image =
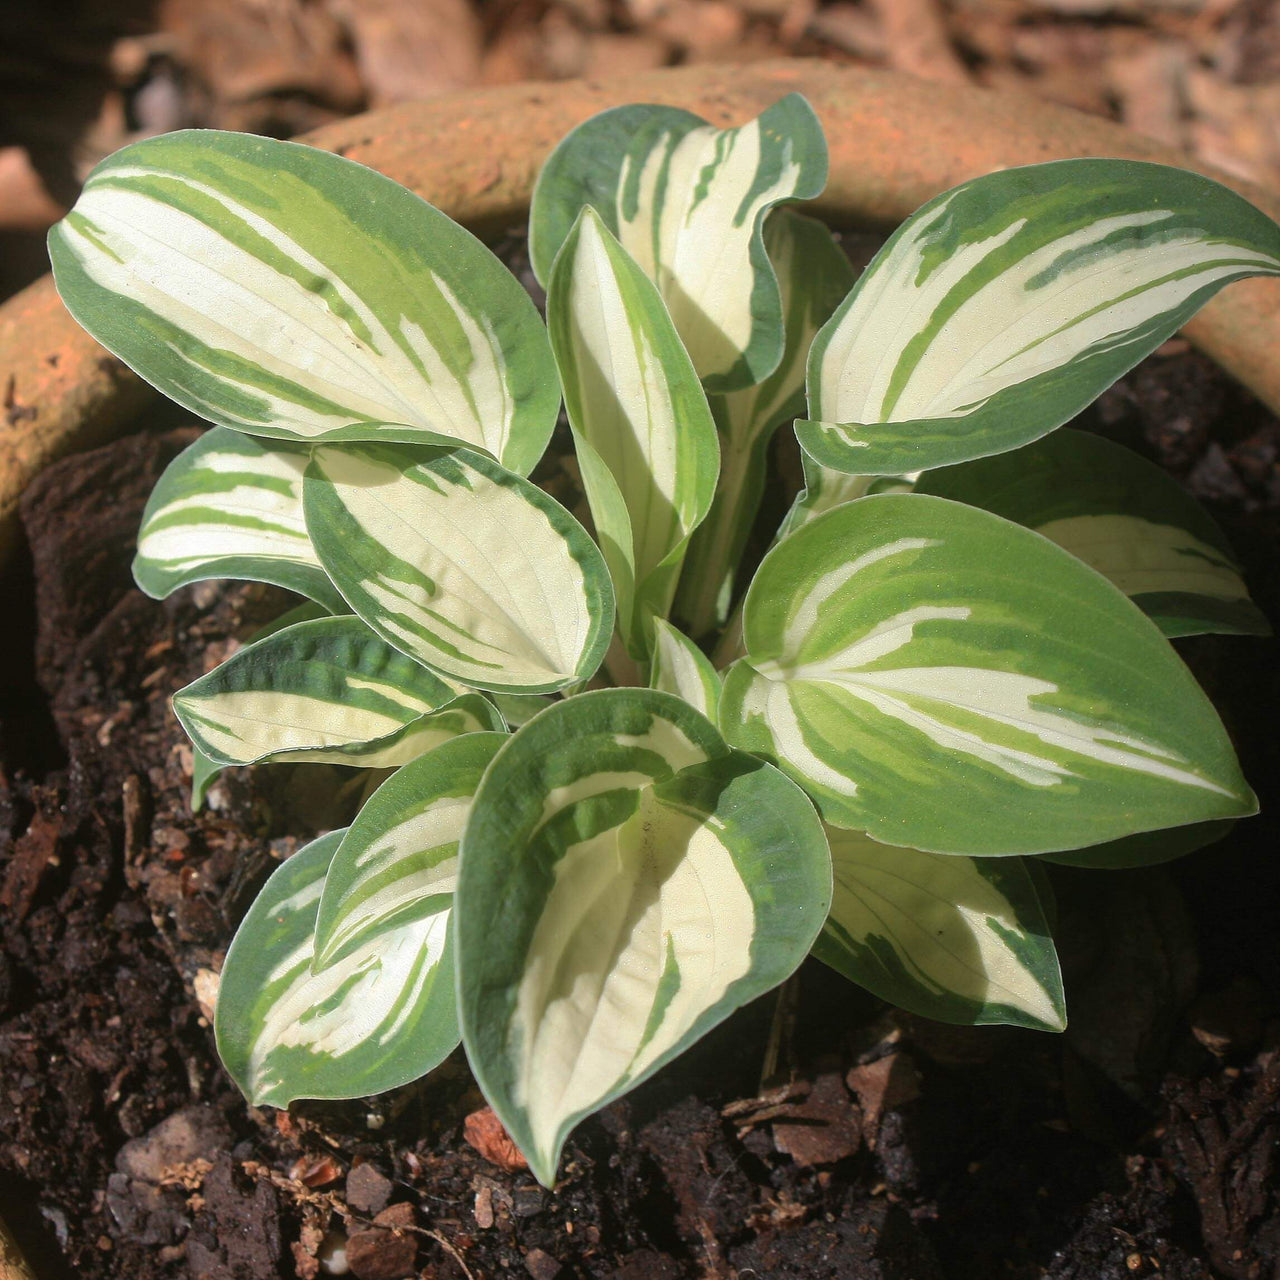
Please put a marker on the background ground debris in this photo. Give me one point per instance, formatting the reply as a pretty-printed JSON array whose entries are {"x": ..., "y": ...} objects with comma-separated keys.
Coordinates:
[{"x": 1195, "y": 74}]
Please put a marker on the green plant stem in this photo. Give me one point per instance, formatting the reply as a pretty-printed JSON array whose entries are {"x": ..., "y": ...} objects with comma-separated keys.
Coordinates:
[
  {"x": 731, "y": 645},
  {"x": 715, "y": 550}
]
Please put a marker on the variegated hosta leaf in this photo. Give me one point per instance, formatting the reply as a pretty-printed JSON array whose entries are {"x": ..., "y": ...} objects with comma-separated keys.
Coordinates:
[
  {"x": 1146, "y": 849},
  {"x": 958, "y": 939},
  {"x": 626, "y": 882},
  {"x": 645, "y": 439},
  {"x": 1000, "y": 309},
  {"x": 941, "y": 678},
  {"x": 382, "y": 1016},
  {"x": 461, "y": 563},
  {"x": 1038, "y": 874},
  {"x": 399, "y": 860},
  {"x": 325, "y": 692},
  {"x": 824, "y": 488},
  {"x": 229, "y": 506},
  {"x": 686, "y": 200},
  {"x": 204, "y": 769},
  {"x": 283, "y": 291},
  {"x": 1121, "y": 515},
  {"x": 519, "y": 708},
  {"x": 678, "y": 666},
  {"x": 814, "y": 274}
]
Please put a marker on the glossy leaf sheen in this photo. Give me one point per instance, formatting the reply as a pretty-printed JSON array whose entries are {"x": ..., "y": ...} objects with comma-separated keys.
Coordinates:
[
  {"x": 399, "y": 860},
  {"x": 284, "y": 291},
  {"x": 681, "y": 668},
  {"x": 204, "y": 769},
  {"x": 381, "y": 1017},
  {"x": 959, "y": 939},
  {"x": 944, "y": 679},
  {"x": 627, "y": 881},
  {"x": 687, "y": 201},
  {"x": 645, "y": 439},
  {"x": 229, "y": 506},
  {"x": 462, "y": 564},
  {"x": 1002, "y": 308},
  {"x": 328, "y": 691}
]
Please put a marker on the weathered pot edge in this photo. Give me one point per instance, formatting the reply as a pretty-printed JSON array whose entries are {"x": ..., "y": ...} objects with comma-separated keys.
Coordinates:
[{"x": 895, "y": 142}]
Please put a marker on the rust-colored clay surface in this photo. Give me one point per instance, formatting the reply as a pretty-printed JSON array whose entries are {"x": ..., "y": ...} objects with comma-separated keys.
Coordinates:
[
  {"x": 895, "y": 142},
  {"x": 59, "y": 392}
]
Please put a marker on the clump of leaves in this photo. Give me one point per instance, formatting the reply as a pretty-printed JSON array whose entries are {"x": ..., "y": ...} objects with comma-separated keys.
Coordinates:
[{"x": 598, "y": 841}]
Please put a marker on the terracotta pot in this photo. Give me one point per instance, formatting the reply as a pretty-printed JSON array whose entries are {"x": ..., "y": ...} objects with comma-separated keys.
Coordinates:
[{"x": 895, "y": 142}]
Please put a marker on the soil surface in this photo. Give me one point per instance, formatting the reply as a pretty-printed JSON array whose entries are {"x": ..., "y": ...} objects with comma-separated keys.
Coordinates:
[{"x": 816, "y": 1134}]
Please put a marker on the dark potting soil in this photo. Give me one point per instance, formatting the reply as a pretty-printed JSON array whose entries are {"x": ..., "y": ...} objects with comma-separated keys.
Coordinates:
[{"x": 816, "y": 1134}]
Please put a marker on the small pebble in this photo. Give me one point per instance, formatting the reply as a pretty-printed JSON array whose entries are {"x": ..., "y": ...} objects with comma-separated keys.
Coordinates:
[
  {"x": 541, "y": 1265},
  {"x": 367, "y": 1189}
]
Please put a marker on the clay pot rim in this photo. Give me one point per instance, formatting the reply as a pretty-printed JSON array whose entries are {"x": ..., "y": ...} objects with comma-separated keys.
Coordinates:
[{"x": 894, "y": 142}]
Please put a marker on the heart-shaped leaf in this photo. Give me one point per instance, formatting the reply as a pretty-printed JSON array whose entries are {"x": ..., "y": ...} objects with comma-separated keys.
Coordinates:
[
  {"x": 627, "y": 881},
  {"x": 329, "y": 692},
  {"x": 465, "y": 565},
  {"x": 382, "y": 1016},
  {"x": 284, "y": 291},
  {"x": 1000, "y": 309},
  {"x": 230, "y": 506},
  {"x": 941, "y": 678}
]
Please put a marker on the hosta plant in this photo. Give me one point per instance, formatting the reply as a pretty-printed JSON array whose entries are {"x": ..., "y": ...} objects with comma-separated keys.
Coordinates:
[{"x": 596, "y": 841}]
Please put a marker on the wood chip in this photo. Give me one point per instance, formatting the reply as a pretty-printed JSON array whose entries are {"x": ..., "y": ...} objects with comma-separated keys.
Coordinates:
[
  {"x": 541, "y": 1265},
  {"x": 315, "y": 1171},
  {"x": 701, "y": 26},
  {"x": 882, "y": 1086},
  {"x": 1150, "y": 84},
  {"x": 918, "y": 41},
  {"x": 33, "y": 853},
  {"x": 397, "y": 1217},
  {"x": 851, "y": 28},
  {"x": 821, "y": 1129},
  {"x": 378, "y": 1254},
  {"x": 408, "y": 50},
  {"x": 484, "y": 1208},
  {"x": 205, "y": 985},
  {"x": 483, "y": 1131},
  {"x": 368, "y": 1191}
]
